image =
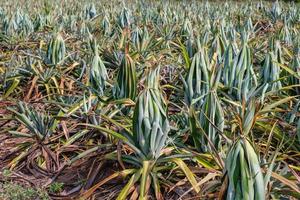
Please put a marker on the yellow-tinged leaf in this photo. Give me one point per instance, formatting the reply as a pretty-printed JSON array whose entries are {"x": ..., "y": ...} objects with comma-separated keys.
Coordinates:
[
  {"x": 286, "y": 181},
  {"x": 90, "y": 191},
  {"x": 269, "y": 107},
  {"x": 189, "y": 174},
  {"x": 134, "y": 178},
  {"x": 78, "y": 105},
  {"x": 204, "y": 180}
]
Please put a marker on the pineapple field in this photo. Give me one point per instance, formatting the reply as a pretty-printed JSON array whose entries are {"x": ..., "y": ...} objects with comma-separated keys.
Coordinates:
[{"x": 141, "y": 100}]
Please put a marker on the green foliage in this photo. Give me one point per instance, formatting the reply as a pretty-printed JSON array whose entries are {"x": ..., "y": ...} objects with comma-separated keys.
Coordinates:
[
  {"x": 56, "y": 187},
  {"x": 126, "y": 85},
  {"x": 12, "y": 191},
  {"x": 98, "y": 73},
  {"x": 244, "y": 173},
  {"x": 271, "y": 69},
  {"x": 239, "y": 75},
  {"x": 56, "y": 49},
  {"x": 80, "y": 88},
  {"x": 196, "y": 83},
  {"x": 39, "y": 124},
  {"x": 150, "y": 123}
]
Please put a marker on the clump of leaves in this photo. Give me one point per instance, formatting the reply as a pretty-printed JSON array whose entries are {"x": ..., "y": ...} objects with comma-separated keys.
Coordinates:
[
  {"x": 56, "y": 49},
  {"x": 149, "y": 142},
  {"x": 126, "y": 85},
  {"x": 242, "y": 163}
]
